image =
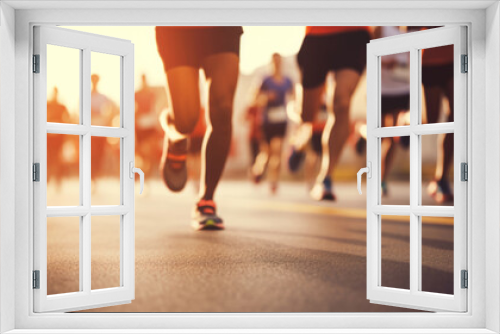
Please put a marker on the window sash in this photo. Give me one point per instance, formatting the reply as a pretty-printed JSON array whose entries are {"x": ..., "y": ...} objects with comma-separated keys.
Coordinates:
[
  {"x": 414, "y": 298},
  {"x": 86, "y": 298}
]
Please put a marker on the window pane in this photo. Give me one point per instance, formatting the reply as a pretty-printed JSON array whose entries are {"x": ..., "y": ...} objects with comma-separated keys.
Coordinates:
[
  {"x": 437, "y": 83},
  {"x": 437, "y": 169},
  {"x": 395, "y": 89},
  {"x": 395, "y": 170},
  {"x": 105, "y": 160},
  {"x": 63, "y": 166},
  {"x": 105, "y": 252},
  {"x": 437, "y": 254},
  {"x": 63, "y": 84},
  {"x": 395, "y": 252},
  {"x": 106, "y": 89},
  {"x": 63, "y": 255}
]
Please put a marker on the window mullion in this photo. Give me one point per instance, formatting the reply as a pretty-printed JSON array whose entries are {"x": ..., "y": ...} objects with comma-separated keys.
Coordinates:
[
  {"x": 85, "y": 177},
  {"x": 414, "y": 170}
]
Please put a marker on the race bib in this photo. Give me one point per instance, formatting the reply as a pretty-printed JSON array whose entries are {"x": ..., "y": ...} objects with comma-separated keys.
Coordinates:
[{"x": 276, "y": 114}]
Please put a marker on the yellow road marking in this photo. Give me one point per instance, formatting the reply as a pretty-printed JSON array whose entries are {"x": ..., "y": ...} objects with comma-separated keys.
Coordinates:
[{"x": 331, "y": 211}]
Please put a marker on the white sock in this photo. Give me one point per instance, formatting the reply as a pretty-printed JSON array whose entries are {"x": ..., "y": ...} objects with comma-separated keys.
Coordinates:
[
  {"x": 173, "y": 134},
  {"x": 169, "y": 128}
]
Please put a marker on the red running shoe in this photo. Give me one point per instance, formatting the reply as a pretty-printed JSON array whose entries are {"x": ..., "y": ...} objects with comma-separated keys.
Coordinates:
[
  {"x": 173, "y": 164},
  {"x": 205, "y": 216}
]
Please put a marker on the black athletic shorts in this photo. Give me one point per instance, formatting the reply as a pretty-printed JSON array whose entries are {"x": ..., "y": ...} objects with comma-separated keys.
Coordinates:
[
  {"x": 395, "y": 103},
  {"x": 320, "y": 54},
  {"x": 437, "y": 75},
  {"x": 273, "y": 130},
  {"x": 181, "y": 46},
  {"x": 316, "y": 142}
]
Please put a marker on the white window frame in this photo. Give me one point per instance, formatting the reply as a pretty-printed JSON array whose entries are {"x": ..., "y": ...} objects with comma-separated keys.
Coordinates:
[{"x": 484, "y": 213}]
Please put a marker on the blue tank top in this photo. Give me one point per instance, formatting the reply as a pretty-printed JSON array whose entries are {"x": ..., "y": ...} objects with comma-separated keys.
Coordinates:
[{"x": 275, "y": 110}]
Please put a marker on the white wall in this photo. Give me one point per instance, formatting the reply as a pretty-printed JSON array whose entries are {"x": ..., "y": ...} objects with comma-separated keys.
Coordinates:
[
  {"x": 7, "y": 159},
  {"x": 492, "y": 166}
]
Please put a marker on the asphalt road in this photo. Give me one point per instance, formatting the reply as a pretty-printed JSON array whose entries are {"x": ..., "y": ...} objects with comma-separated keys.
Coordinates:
[{"x": 283, "y": 253}]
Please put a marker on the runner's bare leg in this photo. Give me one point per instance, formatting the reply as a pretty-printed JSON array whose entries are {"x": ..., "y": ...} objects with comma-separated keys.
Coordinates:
[
  {"x": 274, "y": 159},
  {"x": 183, "y": 84},
  {"x": 311, "y": 103},
  {"x": 260, "y": 164},
  {"x": 433, "y": 96},
  {"x": 222, "y": 70},
  {"x": 335, "y": 137},
  {"x": 388, "y": 147},
  {"x": 445, "y": 152}
]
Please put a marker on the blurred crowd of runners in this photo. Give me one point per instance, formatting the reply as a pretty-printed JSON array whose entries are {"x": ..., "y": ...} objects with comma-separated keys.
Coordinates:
[{"x": 181, "y": 137}]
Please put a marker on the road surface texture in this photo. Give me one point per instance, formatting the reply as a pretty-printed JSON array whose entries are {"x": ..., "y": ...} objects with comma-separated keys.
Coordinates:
[{"x": 282, "y": 253}]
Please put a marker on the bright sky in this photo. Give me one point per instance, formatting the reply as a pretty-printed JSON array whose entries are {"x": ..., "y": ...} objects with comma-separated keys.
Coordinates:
[{"x": 257, "y": 46}]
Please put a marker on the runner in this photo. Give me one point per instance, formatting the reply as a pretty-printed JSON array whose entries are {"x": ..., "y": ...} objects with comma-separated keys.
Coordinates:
[
  {"x": 313, "y": 156},
  {"x": 254, "y": 117},
  {"x": 437, "y": 79},
  {"x": 273, "y": 95},
  {"x": 102, "y": 112},
  {"x": 194, "y": 151},
  {"x": 56, "y": 113},
  {"x": 103, "y": 109},
  {"x": 395, "y": 97},
  {"x": 324, "y": 49},
  {"x": 146, "y": 126},
  {"x": 184, "y": 50}
]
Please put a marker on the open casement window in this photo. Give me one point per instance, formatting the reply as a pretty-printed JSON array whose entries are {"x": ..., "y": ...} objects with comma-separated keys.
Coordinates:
[
  {"x": 73, "y": 218},
  {"x": 419, "y": 292}
]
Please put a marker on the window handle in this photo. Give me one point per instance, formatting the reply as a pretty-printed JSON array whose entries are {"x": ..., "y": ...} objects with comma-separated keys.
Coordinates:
[
  {"x": 368, "y": 171},
  {"x": 133, "y": 170}
]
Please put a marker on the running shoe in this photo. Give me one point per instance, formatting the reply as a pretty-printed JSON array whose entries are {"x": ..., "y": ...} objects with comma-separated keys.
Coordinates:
[
  {"x": 299, "y": 143},
  {"x": 205, "y": 217},
  {"x": 323, "y": 191},
  {"x": 440, "y": 191},
  {"x": 296, "y": 160},
  {"x": 360, "y": 145},
  {"x": 384, "y": 188},
  {"x": 404, "y": 142},
  {"x": 173, "y": 164}
]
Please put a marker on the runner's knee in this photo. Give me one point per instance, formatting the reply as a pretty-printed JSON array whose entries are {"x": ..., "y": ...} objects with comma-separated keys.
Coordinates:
[
  {"x": 341, "y": 106},
  {"x": 185, "y": 125},
  {"x": 186, "y": 112}
]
